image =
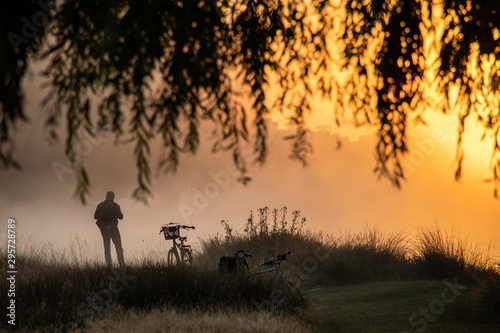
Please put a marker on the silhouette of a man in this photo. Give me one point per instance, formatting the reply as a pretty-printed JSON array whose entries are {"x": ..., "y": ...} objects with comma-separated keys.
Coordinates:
[{"x": 107, "y": 214}]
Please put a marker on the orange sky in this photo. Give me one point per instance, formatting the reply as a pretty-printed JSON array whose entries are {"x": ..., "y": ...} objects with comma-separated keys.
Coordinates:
[{"x": 335, "y": 192}]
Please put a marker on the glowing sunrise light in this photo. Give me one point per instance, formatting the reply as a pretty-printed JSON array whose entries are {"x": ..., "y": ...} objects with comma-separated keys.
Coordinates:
[{"x": 476, "y": 144}]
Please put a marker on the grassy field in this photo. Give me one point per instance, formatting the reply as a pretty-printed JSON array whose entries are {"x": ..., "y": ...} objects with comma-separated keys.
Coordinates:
[
  {"x": 409, "y": 306},
  {"x": 368, "y": 281},
  {"x": 368, "y": 307}
]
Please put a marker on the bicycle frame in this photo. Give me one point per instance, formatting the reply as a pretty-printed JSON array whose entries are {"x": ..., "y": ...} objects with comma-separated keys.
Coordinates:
[
  {"x": 266, "y": 271},
  {"x": 274, "y": 263},
  {"x": 176, "y": 249}
]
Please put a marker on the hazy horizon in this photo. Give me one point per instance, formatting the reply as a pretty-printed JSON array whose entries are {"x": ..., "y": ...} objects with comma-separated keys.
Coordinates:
[{"x": 337, "y": 191}]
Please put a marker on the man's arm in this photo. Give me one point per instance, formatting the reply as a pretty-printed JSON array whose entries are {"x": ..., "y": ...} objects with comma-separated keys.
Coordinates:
[
  {"x": 97, "y": 213},
  {"x": 119, "y": 214}
]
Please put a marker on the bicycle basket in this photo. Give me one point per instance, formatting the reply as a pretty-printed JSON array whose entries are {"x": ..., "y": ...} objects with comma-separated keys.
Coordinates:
[{"x": 171, "y": 232}]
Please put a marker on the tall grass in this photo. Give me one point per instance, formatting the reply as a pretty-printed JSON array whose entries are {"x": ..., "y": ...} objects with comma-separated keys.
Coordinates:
[
  {"x": 172, "y": 320},
  {"x": 367, "y": 255},
  {"x": 265, "y": 235},
  {"x": 56, "y": 288},
  {"x": 54, "y": 295},
  {"x": 442, "y": 254}
]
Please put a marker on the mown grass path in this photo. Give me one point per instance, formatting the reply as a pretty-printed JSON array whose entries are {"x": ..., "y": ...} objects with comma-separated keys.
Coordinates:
[{"x": 410, "y": 306}]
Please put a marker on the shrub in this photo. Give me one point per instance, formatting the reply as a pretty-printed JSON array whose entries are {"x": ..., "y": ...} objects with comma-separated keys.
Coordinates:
[
  {"x": 365, "y": 256},
  {"x": 440, "y": 255}
]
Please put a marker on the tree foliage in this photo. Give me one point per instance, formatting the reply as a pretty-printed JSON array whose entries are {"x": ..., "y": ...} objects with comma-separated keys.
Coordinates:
[
  {"x": 160, "y": 68},
  {"x": 466, "y": 44}
]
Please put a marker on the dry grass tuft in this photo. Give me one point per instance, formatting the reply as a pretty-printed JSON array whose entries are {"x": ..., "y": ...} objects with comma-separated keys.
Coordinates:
[{"x": 171, "y": 320}]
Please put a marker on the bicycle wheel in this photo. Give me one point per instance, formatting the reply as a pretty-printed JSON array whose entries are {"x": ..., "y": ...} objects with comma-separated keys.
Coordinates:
[
  {"x": 172, "y": 258},
  {"x": 187, "y": 257}
]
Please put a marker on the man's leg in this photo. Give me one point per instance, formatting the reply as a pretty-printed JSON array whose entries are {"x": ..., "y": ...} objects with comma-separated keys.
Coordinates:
[
  {"x": 107, "y": 245},
  {"x": 117, "y": 240}
]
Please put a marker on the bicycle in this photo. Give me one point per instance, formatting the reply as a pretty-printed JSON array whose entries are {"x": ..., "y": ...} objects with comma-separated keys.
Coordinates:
[
  {"x": 238, "y": 263},
  {"x": 180, "y": 253},
  {"x": 285, "y": 291}
]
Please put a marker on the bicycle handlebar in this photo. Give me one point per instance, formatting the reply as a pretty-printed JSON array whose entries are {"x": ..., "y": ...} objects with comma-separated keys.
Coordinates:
[
  {"x": 242, "y": 254},
  {"x": 278, "y": 259},
  {"x": 283, "y": 256},
  {"x": 175, "y": 224}
]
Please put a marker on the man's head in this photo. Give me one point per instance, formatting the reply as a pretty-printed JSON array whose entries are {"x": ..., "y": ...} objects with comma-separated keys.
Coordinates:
[{"x": 110, "y": 195}]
